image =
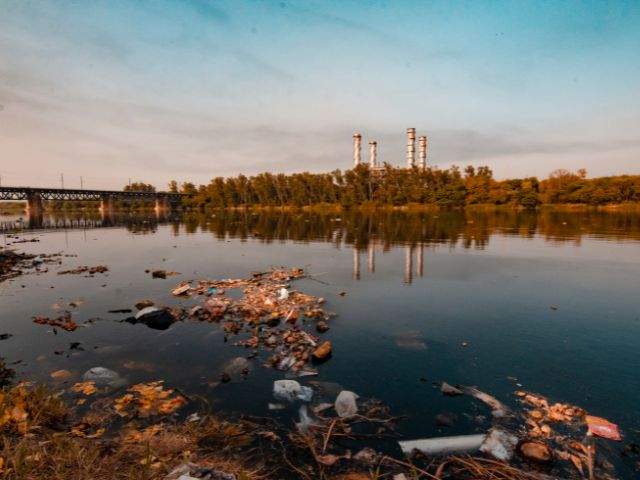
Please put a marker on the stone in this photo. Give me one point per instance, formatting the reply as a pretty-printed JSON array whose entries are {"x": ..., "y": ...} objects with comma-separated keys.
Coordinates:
[
  {"x": 323, "y": 351},
  {"x": 155, "y": 318},
  {"x": 535, "y": 451},
  {"x": 445, "y": 419},
  {"x": 367, "y": 456},
  {"x": 61, "y": 374},
  {"x": 103, "y": 377},
  {"x": 144, "y": 304},
  {"x": 322, "y": 326}
]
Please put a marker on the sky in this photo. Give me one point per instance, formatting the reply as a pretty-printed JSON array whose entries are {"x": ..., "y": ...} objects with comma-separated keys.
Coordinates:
[{"x": 154, "y": 90}]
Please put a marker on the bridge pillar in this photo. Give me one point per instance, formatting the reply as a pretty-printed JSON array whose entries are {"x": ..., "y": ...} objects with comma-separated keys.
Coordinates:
[
  {"x": 107, "y": 208},
  {"x": 34, "y": 203},
  {"x": 107, "y": 205},
  {"x": 163, "y": 206}
]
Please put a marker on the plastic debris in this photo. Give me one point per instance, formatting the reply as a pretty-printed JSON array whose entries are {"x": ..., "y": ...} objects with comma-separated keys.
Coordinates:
[
  {"x": 443, "y": 445},
  {"x": 450, "y": 390},
  {"x": 499, "y": 444},
  {"x": 602, "y": 428},
  {"x": 345, "y": 404},
  {"x": 283, "y": 294},
  {"x": 498, "y": 409},
  {"x": 290, "y": 391},
  {"x": 305, "y": 420}
]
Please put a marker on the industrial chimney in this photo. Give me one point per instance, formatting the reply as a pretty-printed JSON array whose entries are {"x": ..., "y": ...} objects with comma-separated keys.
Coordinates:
[
  {"x": 373, "y": 154},
  {"x": 423, "y": 152},
  {"x": 411, "y": 147},
  {"x": 357, "y": 141}
]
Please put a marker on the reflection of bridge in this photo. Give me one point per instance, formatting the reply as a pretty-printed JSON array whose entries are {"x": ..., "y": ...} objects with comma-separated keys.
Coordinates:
[{"x": 34, "y": 196}]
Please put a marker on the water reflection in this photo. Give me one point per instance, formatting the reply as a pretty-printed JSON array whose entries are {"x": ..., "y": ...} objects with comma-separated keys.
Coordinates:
[{"x": 364, "y": 231}]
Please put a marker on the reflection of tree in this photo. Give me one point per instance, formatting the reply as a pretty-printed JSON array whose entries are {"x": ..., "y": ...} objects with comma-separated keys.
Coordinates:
[
  {"x": 471, "y": 229},
  {"x": 468, "y": 228}
]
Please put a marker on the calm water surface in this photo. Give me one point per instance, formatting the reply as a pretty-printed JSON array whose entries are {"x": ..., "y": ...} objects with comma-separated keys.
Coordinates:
[{"x": 417, "y": 287}]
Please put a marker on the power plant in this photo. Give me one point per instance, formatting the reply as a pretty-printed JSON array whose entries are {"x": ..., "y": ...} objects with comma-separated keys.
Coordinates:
[{"x": 411, "y": 151}]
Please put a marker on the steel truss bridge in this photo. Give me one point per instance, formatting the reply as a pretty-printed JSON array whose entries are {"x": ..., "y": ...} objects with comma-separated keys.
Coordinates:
[{"x": 67, "y": 194}]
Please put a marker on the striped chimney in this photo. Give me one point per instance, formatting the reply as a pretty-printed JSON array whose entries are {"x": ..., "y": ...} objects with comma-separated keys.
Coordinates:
[
  {"x": 411, "y": 147},
  {"x": 357, "y": 142},
  {"x": 423, "y": 152}
]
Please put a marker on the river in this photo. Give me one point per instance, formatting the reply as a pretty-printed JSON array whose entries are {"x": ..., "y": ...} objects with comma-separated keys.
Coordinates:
[{"x": 546, "y": 302}]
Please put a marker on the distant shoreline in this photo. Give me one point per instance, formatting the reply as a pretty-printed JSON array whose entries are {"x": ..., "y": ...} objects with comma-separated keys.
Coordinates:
[{"x": 19, "y": 208}]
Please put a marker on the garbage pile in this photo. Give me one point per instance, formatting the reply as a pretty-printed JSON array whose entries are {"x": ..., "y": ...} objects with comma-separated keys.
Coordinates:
[
  {"x": 14, "y": 264},
  {"x": 271, "y": 314},
  {"x": 541, "y": 438},
  {"x": 85, "y": 269}
]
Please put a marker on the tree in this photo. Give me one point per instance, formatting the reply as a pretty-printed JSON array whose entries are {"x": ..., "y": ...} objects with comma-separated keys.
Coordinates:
[{"x": 139, "y": 187}]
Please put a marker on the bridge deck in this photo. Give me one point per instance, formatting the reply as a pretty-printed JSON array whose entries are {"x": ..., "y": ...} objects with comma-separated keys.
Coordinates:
[{"x": 24, "y": 193}]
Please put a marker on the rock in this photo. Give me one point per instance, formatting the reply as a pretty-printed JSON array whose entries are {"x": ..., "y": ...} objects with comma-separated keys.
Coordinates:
[
  {"x": 535, "y": 451},
  {"x": 181, "y": 290},
  {"x": 322, "y": 326},
  {"x": 159, "y": 274},
  {"x": 323, "y": 351},
  {"x": 154, "y": 317},
  {"x": 345, "y": 404},
  {"x": 225, "y": 377},
  {"x": 367, "y": 456},
  {"x": 143, "y": 304},
  {"x": 445, "y": 419},
  {"x": 237, "y": 366},
  {"x": 450, "y": 390},
  {"x": 103, "y": 377},
  {"x": 60, "y": 374},
  {"x": 290, "y": 390},
  {"x": 191, "y": 471},
  {"x": 499, "y": 444}
]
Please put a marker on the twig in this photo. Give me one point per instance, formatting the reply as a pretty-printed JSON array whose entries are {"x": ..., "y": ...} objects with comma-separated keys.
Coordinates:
[
  {"x": 409, "y": 465},
  {"x": 328, "y": 436}
]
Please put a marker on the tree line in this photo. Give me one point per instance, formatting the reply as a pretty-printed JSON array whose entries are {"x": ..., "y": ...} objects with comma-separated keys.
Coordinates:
[{"x": 390, "y": 185}]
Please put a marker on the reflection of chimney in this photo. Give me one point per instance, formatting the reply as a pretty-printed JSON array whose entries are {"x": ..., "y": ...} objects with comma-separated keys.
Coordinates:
[
  {"x": 371, "y": 260},
  {"x": 411, "y": 147},
  {"x": 408, "y": 264},
  {"x": 356, "y": 264},
  {"x": 357, "y": 141},
  {"x": 423, "y": 153},
  {"x": 419, "y": 258},
  {"x": 373, "y": 154}
]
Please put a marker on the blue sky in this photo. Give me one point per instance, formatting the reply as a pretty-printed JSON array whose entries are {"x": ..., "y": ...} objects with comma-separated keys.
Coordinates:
[{"x": 154, "y": 90}]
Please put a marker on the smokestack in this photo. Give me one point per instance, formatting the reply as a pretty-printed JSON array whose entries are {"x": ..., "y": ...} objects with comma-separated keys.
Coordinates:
[
  {"x": 423, "y": 153},
  {"x": 357, "y": 141},
  {"x": 373, "y": 154},
  {"x": 411, "y": 147}
]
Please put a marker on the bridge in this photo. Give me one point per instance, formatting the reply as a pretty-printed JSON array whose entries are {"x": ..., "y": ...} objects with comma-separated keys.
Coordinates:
[{"x": 34, "y": 196}]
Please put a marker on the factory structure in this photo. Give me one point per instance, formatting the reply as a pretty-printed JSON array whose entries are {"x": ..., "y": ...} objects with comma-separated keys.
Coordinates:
[{"x": 373, "y": 163}]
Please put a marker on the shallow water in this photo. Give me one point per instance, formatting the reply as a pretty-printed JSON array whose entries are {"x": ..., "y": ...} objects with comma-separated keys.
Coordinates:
[{"x": 417, "y": 287}]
